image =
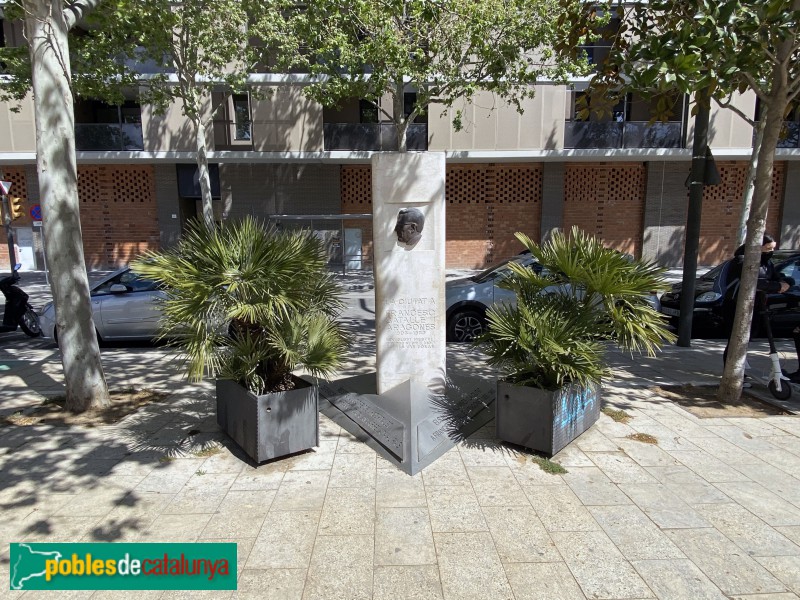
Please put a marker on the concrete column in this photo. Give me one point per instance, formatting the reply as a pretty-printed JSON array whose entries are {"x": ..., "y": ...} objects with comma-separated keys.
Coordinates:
[
  {"x": 666, "y": 200},
  {"x": 409, "y": 273},
  {"x": 552, "y": 199}
]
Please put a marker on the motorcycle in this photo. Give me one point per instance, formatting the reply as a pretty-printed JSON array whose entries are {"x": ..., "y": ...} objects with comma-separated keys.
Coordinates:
[{"x": 18, "y": 311}]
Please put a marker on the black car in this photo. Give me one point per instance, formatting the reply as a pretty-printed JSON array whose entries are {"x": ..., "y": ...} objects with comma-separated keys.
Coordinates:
[{"x": 710, "y": 291}]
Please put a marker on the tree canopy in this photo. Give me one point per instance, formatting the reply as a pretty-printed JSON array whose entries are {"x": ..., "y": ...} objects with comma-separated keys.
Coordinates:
[{"x": 441, "y": 51}]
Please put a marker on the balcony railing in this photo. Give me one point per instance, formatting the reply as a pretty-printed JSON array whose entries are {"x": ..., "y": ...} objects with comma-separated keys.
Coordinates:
[
  {"x": 790, "y": 135},
  {"x": 627, "y": 134},
  {"x": 108, "y": 136},
  {"x": 372, "y": 136}
]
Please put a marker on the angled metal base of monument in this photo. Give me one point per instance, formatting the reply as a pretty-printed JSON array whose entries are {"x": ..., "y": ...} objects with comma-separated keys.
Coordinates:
[{"x": 408, "y": 426}]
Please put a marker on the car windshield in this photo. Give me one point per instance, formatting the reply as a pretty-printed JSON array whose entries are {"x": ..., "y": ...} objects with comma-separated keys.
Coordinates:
[
  {"x": 500, "y": 268},
  {"x": 713, "y": 273}
]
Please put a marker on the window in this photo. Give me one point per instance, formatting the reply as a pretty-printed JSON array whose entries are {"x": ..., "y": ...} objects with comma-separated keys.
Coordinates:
[
  {"x": 241, "y": 117},
  {"x": 129, "y": 279},
  {"x": 367, "y": 111}
]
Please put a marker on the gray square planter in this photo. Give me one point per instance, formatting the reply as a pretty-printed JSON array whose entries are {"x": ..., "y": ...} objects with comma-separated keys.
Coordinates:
[
  {"x": 272, "y": 425},
  {"x": 543, "y": 420}
]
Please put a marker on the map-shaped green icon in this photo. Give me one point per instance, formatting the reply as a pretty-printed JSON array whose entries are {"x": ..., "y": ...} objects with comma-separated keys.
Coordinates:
[{"x": 27, "y": 564}]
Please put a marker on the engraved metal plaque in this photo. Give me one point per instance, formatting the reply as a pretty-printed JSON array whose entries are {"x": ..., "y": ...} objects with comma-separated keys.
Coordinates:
[{"x": 383, "y": 427}]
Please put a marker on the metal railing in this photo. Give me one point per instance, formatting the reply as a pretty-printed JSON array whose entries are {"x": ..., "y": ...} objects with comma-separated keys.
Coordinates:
[
  {"x": 372, "y": 136},
  {"x": 108, "y": 136},
  {"x": 625, "y": 134}
]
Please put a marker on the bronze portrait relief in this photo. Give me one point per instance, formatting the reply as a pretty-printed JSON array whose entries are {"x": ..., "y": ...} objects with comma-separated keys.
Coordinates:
[{"x": 410, "y": 222}]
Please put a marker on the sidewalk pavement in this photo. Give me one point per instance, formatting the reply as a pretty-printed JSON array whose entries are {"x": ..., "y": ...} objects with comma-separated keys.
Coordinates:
[{"x": 711, "y": 510}]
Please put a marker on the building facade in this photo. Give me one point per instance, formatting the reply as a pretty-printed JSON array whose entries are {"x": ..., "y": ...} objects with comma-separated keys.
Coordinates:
[{"x": 287, "y": 159}]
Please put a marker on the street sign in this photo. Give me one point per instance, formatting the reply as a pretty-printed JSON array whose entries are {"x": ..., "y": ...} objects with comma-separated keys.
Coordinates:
[
  {"x": 37, "y": 223},
  {"x": 5, "y": 186},
  {"x": 36, "y": 212}
]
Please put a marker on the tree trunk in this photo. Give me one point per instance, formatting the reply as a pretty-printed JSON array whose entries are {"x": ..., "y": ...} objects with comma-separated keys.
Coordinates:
[
  {"x": 730, "y": 388},
  {"x": 58, "y": 184},
  {"x": 750, "y": 182},
  {"x": 400, "y": 121},
  {"x": 202, "y": 168}
]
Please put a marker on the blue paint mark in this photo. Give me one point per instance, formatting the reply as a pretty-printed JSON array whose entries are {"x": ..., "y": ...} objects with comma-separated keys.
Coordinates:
[{"x": 574, "y": 403}]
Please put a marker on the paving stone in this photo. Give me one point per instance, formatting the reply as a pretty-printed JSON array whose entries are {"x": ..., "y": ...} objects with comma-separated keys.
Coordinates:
[
  {"x": 762, "y": 503},
  {"x": 559, "y": 508},
  {"x": 264, "y": 477},
  {"x": 320, "y": 458},
  {"x": 482, "y": 453},
  {"x": 175, "y": 528},
  {"x": 414, "y": 582},
  {"x": 528, "y": 472},
  {"x": 542, "y": 581},
  {"x": 271, "y": 584},
  {"x": 454, "y": 508},
  {"x": 593, "y": 487},
  {"x": 348, "y": 511},
  {"x": 240, "y": 515},
  {"x": 355, "y": 469},
  {"x": 724, "y": 563},
  {"x": 634, "y": 534},
  {"x": 785, "y": 568},
  {"x": 403, "y": 537},
  {"x": 446, "y": 470},
  {"x": 341, "y": 567},
  {"x": 519, "y": 535},
  {"x": 677, "y": 579},
  {"x": 286, "y": 541},
  {"x": 708, "y": 467},
  {"x": 470, "y": 568},
  {"x": 496, "y": 486},
  {"x": 646, "y": 455},
  {"x": 611, "y": 577},
  {"x": 663, "y": 507},
  {"x": 302, "y": 490},
  {"x": 688, "y": 485},
  {"x": 395, "y": 489},
  {"x": 747, "y": 531}
]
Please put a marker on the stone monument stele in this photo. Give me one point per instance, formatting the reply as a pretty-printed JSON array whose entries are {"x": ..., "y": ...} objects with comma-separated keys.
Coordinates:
[{"x": 409, "y": 411}]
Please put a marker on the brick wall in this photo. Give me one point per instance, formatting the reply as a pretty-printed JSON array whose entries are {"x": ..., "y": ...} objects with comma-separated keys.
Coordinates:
[
  {"x": 16, "y": 175},
  {"x": 118, "y": 213},
  {"x": 722, "y": 205},
  {"x": 607, "y": 200},
  {"x": 356, "y": 189}
]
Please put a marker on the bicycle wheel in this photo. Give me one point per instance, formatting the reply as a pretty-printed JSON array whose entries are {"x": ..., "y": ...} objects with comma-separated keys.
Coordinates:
[{"x": 786, "y": 390}]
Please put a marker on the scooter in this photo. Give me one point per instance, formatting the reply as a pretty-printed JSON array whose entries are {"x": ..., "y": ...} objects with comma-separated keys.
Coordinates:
[
  {"x": 777, "y": 382},
  {"x": 18, "y": 312}
]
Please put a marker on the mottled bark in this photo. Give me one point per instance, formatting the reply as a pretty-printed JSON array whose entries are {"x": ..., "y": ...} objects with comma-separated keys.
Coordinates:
[{"x": 46, "y": 31}]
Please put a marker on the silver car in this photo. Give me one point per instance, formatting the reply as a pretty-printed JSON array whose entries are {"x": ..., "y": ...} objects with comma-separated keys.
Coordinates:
[
  {"x": 467, "y": 299},
  {"x": 124, "y": 307}
]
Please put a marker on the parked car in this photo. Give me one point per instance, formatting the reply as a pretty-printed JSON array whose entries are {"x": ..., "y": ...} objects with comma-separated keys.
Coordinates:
[
  {"x": 467, "y": 299},
  {"x": 124, "y": 307},
  {"x": 710, "y": 291}
]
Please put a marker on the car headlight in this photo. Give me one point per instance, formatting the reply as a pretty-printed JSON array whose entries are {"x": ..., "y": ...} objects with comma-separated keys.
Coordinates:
[{"x": 708, "y": 297}]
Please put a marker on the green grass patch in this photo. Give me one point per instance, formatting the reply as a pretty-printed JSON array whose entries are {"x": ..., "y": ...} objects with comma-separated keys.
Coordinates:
[
  {"x": 208, "y": 451},
  {"x": 548, "y": 466},
  {"x": 620, "y": 416},
  {"x": 645, "y": 438}
]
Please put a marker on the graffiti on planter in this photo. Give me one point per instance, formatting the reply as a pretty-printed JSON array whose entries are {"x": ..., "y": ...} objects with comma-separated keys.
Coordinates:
[{"x": 575, "y": 403}]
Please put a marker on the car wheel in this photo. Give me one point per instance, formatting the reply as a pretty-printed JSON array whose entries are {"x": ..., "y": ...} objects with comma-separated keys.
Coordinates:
[{"x": 465, "y": 325}]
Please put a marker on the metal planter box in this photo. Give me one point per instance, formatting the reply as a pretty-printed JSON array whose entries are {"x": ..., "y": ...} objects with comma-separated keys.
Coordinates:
[
  {"x": 272, "y": 425},
  {"x": 543, "y": 420}
]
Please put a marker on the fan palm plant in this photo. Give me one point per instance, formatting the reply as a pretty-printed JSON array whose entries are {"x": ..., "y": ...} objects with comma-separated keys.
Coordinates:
[
  {"x": 585, "y": 296},
  {"x": 249, "y": 303}
]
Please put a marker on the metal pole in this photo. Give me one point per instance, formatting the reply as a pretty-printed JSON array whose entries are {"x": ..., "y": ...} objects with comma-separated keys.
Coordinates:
[
  {"x": 693, "y": 217},
  {"x": 12, "y": 256}
]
